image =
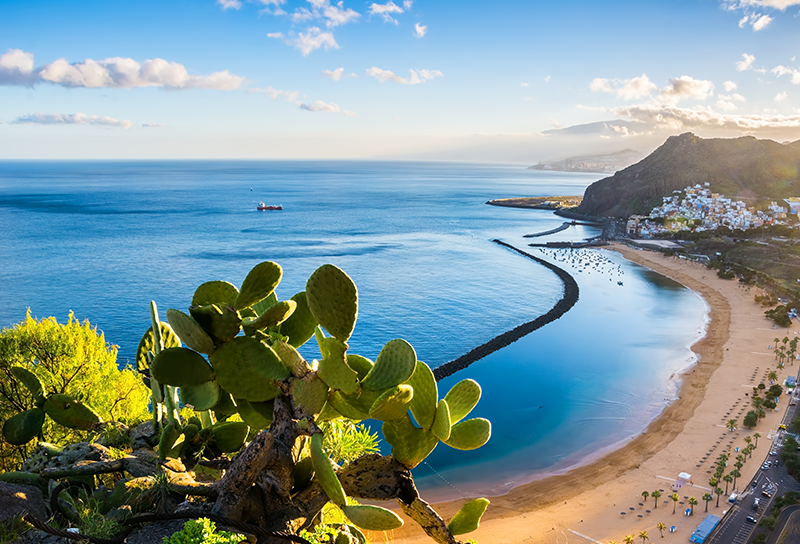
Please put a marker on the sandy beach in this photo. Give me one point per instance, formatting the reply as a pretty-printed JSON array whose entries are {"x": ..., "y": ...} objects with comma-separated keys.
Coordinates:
[{"x": 586, "y": 503}]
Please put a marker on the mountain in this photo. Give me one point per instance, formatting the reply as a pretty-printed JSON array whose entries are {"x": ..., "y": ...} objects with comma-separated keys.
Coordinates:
[
  {"x": 744, "y": 168},
  {"x": 605, "y": 163}
]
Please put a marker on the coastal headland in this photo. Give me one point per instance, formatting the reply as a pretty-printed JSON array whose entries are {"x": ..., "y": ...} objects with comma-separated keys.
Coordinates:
[
  {"x": 538, "y": 202},
  {"x": 601, "y": 500}
]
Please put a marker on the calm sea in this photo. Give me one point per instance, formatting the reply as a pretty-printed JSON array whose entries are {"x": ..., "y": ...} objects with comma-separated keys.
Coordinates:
[{"x": 104, "y": 238}]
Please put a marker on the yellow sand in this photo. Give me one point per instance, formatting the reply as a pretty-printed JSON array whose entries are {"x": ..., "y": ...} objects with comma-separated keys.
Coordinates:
[{"x": 588, "y": 501}]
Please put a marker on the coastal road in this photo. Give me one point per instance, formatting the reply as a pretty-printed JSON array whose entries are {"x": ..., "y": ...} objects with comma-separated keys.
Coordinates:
[{"x": 765, "y": 486}]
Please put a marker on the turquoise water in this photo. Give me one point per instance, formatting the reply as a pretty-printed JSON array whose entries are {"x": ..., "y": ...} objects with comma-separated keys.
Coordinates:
[{"x": 104, "y": 238}]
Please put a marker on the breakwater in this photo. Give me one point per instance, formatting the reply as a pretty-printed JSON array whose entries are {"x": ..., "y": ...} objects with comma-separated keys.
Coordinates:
[{"x": 561, "y": 307}]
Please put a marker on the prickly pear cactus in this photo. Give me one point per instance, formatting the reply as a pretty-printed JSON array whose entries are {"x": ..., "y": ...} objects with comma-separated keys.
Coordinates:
[{"x": 237, "y": 353}]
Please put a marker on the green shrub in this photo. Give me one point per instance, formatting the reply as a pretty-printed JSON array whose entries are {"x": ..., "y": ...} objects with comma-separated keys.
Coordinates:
[
  {"x": 202, "y": 531},
  {"x": 70, "y": 359}
]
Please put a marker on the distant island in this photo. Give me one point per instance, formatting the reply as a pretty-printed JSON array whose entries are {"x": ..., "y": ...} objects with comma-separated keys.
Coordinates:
[
  {"x": 538, "y": 202},
  {"x": 606, "y": 163}
]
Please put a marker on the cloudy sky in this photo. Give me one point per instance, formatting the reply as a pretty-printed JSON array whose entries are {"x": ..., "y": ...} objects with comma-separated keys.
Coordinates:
[{"x": 497, "y": 81}]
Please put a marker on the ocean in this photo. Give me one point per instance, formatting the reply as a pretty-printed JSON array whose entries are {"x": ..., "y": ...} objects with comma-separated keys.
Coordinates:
[{"x": 104, "y": 238}]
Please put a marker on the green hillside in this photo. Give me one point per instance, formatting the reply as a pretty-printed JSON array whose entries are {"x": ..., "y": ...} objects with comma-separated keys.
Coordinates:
[{"x": 744, "y": 168}]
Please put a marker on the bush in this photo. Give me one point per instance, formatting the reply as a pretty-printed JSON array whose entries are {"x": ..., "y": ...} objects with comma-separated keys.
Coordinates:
[
  {"x": 202, "y": 531},
  {"x": 751, "y": 419},
  {"x": 70, "y": 359}
]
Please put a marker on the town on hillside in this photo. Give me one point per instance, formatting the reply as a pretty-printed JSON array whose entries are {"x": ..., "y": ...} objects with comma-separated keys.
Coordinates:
[{"x": 696, "y": 208}]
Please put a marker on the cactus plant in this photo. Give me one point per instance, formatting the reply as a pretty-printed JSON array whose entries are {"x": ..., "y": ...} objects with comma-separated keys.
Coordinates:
[{"x": 241, "y": 358}]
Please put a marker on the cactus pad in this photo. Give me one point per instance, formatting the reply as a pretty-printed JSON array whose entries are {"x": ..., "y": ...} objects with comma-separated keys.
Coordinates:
[
  {"x": 395, "y": 364},
  {"x": 426, "y": 393},
  {"x": 470, "y": 434},
  {"x": 299, "y": 327},
  {"x": 215, "y": 292},
  {"x": 169, "y": 436},
  {"x": 310, "y": 393},
  {"x": 147, "y": 345},
  {"x": 70, "y": 412},
  {"x": 360, "y": 364},
  {"x": 441, "y": 424},
  {"x": 249, "y": 369},
  {"x": 190, "y": 332},
  {"x": 201, "y": 397},
  {"x": 325, "y": 473},
  {"x": 362, "y": 400},
  {"x": 337, "y": 401},
  {"x": 333, "y": 369},
  {"x": 291, "y": 359},
  {"x": 468, "y": 518},
  {"x": 229, "y": 436},
  {"x": 272, "y": 316},
  {"x": 328, "y": 413},
  {"x": 21, "y": 428},
  {"x": 258, "y": 415},
  {"x": 260, "y": 282},
  {"x": 393, "y": 403},
  {"x": 180, "y": 367},
  {"x": 372, "y": 518},
  {"x": 462, "y": 398},
  {"x": 31, "y": 382},
  {"x": 221, "y": 322},
  {"x": 333, "y": 300},
  {"x": 410, "y": 444},
  {"x": 226, "y": 405},
  {"x": 303, "y": 473}
]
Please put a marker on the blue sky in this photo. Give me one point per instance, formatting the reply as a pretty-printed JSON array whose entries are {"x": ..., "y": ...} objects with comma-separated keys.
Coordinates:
[{"x": 351, "y": 79}]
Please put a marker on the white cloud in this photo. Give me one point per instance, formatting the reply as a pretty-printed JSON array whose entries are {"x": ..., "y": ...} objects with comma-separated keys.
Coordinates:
[
  {"x": 16, "y": 68},
  {"x": 781, "y": 96},
  {"x": 416, "y": 76},
  {"x": 524, "y": 85},
  {"x": 332, "y": 15},
  {"x": 420, "y": 30},
  {"x": 229, "y": 4},
  {"x": 743, "y": 21},
  {"x": 350, "y": 113},
  {"x": 687, "y": 87},
  {"x": 729, "y": 86},
  {"x": 385, "y": 11},
  {"x": 153, "y": 125},
  {"x": 407, "y": 4},
  {"x": 784, "y": 70},
  {"x": 727, "y": 102},
  {"x": 275, "y": 35},
  {"x": 673, "y": 118},
  {"x": 276, "y": 94},
  {"x": 546, "y": 78},
  {"x": 761, "y": 22},
  {"x": 627, "y": 89},
  {"x": 319, "y": 105},
  {"x": 743, "y": 65},
  {"x": 69, "y": 119},
  {"x": 313, "y": 39},
  {"x": 337, "y": 74}
]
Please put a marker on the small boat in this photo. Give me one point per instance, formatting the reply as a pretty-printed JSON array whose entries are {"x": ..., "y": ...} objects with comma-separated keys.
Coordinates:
[{"x": 261, "y": 206}]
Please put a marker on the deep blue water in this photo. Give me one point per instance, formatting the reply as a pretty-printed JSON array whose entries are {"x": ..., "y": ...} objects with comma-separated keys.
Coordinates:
[{"x": 104, "y": 238}]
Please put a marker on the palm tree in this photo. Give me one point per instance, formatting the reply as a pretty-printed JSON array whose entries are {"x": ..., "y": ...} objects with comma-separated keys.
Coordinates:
[
  {"x": 756, "y": 436},
  {"x": 736, "y": 474},
  {"x": 629, "y": 539},
  {"x": 713, "y": 482},
  {"x": 728, "y": 479},
  {"x": 675, "y": 499},
  {"x": 692, "y": 503},
  {"x": 660, "y": 526},
  {"x": 772, "y": 376},
  {"x": 747, "y": 441},
  {"x": 655, "y": 494},
  {"x": 732, "y": 424},
  {"x": 717, "y": 492},
  {"x": 643, "y": 536},
  {"x": 645, "y": 494},
  {"x": 708, "y": 497}
]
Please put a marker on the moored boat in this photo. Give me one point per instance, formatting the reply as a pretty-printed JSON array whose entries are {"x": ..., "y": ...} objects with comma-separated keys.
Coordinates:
[{"x": 261, "y": 206}]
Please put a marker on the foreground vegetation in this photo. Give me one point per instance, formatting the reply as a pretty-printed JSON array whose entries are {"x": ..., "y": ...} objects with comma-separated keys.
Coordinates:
[{"x": 239, "y": 424}]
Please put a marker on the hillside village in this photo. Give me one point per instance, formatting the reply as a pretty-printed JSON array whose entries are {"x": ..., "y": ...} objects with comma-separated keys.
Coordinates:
[{"x": 697, "y": 208}]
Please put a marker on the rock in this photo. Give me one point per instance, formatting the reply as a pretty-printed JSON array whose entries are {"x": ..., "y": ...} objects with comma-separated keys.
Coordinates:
[{"x": 16, "y": 499}]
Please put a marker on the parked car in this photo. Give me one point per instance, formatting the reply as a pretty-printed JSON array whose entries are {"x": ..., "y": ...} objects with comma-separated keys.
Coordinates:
[
  {"x": 767, "y": 494},
  {"x": 751, "y": 519},
  {"x": 756, "y": 502}
]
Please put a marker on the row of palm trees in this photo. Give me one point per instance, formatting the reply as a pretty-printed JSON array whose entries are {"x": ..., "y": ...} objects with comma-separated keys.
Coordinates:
[
  {"x": 787, "y": 351},
  {"x": 630, "y": 539}
]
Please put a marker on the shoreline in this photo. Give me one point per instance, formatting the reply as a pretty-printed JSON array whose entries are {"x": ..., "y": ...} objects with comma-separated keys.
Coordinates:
[{"x": 679, "y": 435}]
